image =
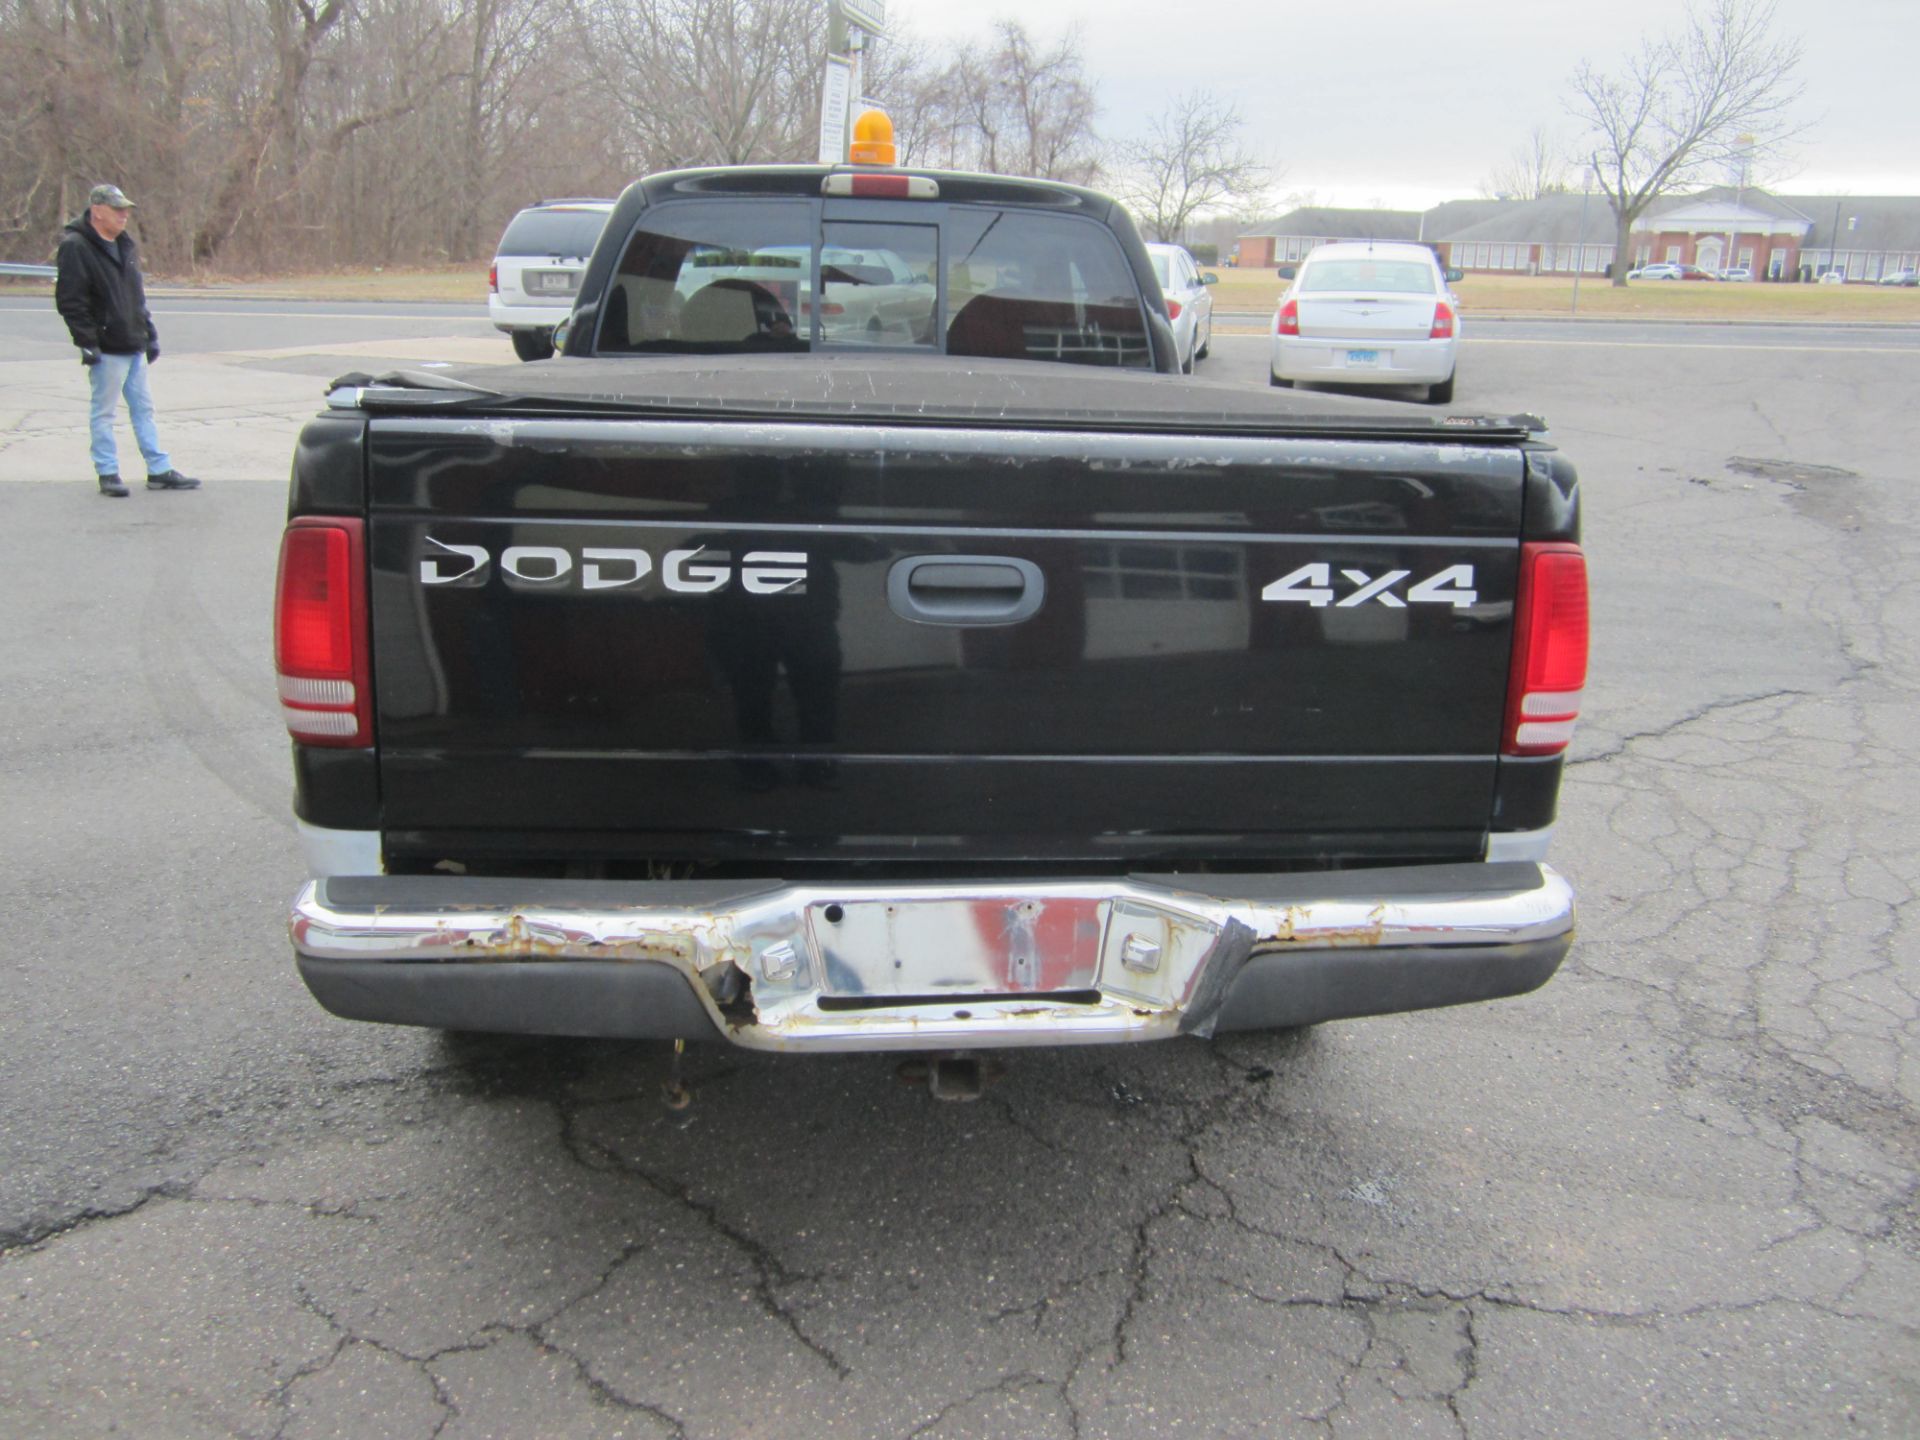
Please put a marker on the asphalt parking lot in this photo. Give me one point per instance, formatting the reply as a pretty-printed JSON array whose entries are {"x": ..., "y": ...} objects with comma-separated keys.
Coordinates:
[{"x": 1674, "y": 1193}]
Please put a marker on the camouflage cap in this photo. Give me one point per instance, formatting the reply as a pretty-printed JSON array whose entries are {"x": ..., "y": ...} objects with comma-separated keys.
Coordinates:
[{"x": 109, "y": 195}]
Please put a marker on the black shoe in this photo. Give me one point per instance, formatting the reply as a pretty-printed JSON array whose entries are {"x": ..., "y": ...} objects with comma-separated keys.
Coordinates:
[
  {"x": 110, "y": 485},
  {"x": 172, "y": 480}
]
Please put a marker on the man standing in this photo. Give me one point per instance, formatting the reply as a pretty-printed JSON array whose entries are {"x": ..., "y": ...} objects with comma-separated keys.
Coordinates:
[{"x": 100, "y": 295}]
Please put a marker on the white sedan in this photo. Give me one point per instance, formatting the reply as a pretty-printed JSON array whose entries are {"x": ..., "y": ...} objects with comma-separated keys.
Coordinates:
[
  {"x": 1189, "y": 306},
  {"x": 1368, "y": 313}
]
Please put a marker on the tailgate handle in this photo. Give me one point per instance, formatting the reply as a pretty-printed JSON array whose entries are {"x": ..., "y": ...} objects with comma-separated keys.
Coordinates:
[{"x": 965, "y": 589}]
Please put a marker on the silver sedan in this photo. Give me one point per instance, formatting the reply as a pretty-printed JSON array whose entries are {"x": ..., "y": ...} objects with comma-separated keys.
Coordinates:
[
  {"x": 1189, "y": 304},
  {"x": 1368, "y": 313}
]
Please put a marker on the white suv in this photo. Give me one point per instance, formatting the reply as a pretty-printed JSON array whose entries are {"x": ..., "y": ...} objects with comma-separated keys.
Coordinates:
[{"x": 537, "y": 271}]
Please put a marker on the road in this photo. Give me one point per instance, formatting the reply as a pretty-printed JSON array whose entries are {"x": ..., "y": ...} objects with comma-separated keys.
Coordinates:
[{"x": 1676, "y": 1192}]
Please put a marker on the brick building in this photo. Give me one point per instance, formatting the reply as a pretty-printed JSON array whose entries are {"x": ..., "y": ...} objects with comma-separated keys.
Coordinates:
[{"x": 1775, "y": 237}]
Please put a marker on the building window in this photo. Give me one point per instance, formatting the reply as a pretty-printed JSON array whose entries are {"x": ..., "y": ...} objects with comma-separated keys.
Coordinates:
[{"x": 1673, "y": 254}]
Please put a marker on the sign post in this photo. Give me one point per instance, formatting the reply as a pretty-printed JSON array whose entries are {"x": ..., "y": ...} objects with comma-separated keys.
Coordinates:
[
  {"x": 835, "y": 97},
  {"x": 851, "y": 26}
]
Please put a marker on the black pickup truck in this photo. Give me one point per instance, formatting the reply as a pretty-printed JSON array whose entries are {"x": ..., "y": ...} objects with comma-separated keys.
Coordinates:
[{"x": 859, "y": 640}]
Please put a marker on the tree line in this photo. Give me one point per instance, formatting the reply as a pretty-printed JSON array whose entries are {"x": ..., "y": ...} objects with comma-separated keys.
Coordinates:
[
  {"x": 268, "y": 135},
  {"x": 261, "y": 135}
]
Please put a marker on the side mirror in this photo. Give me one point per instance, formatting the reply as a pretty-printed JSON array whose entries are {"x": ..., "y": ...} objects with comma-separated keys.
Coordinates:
[
  {"x": 1454, "y": 277},
  {"x": 1287, "y": 272},
  {"x": 1207, "y": 277},
  {"x": 560, "y": 335}
]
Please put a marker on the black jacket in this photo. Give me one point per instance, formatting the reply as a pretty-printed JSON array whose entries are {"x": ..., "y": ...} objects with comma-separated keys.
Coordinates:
[{"x": 99, "y": 292}]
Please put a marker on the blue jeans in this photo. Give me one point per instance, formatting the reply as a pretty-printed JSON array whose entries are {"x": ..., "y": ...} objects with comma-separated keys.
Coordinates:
[{"x": 113, "y": 376}]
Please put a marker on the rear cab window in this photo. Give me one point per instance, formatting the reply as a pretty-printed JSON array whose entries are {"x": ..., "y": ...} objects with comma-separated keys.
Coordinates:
[
  {"x": 1391, "y": 277},
  {"x": 742, "y": 276},
  {"x": 553, "y": 233},
  {"x": 1042, "y": 287}
]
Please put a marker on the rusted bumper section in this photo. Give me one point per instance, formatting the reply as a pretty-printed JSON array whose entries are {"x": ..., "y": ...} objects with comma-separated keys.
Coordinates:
[{"x": 927, "y": 967}]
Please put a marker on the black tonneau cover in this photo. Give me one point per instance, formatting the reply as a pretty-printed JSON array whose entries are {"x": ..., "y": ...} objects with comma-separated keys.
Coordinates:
[{"x": 934, "y": 390}]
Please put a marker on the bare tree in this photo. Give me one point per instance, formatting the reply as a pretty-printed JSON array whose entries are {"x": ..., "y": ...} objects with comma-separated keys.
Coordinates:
[
  {"x": 1008, "y": 107},
  {"x": 1190, "y": 161},
  {"x": 274, "y": 133},
  {"x": 916, "y": 88},
  {"x": 708, "y": 82},
  {"x": 1677, "y": 111},
  {"x": 1537, "y": 167}
]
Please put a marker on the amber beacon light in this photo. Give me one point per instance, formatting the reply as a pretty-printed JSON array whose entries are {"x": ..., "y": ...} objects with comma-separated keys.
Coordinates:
[{"x": 873, "y": 139}]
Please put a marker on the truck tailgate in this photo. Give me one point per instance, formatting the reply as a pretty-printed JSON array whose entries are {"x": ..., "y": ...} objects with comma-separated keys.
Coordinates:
[{"x": 644, "y": 639}]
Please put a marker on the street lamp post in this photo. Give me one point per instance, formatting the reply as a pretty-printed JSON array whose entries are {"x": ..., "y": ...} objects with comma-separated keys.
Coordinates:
[{"x": 1834, "y": 239}]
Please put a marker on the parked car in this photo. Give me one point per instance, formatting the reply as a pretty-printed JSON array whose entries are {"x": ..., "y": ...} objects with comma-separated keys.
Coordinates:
[
  {"x": 1189, "y": 306},
  {"x": 1368, "y": 313},
  {"x": 1835, "y": 276},
  {"x": 536, "y": 271},
  {"x": 1738, "y": 272},
  {"x": 1671, "y": 270},
  {"x": 1908, "y": 278}
]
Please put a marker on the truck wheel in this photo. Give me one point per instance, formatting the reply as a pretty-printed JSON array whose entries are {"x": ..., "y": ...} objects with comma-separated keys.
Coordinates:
[
  {"x": 532, "y": 344},
  {"x": 1441, "y": 394}
]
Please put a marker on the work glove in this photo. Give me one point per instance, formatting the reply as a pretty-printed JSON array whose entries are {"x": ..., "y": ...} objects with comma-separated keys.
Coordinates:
[
  {"x": 153, "y": 352},
  {"x": 89, "y": 355}
]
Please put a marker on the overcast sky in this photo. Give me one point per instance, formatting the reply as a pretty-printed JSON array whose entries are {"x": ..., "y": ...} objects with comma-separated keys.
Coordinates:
[{"x": 1411, "y": 102}]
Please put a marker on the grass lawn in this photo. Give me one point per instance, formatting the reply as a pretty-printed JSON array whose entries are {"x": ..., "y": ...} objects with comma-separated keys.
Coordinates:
[
  {"x": 1246, "y": 291},
  {"x": 1260, "y": 290},
  {"x": 456, "y": 284}
]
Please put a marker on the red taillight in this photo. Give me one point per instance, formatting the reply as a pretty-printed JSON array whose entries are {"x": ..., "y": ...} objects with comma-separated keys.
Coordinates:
[
  {"x": 1173, "y": 309},
  {"x": 493, "y": 277},
  {"x": 1442, "y": 322},
  {"x": 1287, "y": 322},
  {"x": 1549, "y": 649},
  {"x": 320, "y": 633}
]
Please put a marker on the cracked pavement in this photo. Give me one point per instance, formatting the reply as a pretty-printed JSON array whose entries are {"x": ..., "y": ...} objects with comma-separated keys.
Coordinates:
[{"x": 1675, "y": 1193}]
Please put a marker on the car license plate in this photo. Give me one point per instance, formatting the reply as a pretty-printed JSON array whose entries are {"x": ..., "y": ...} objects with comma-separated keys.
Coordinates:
[
  {"x": 553, "y": 282},
  {"x": 1362, "y": 359}
]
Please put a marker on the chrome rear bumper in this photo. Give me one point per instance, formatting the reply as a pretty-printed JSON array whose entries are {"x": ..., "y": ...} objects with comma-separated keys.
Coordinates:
[{"x": 927, "y": 967}]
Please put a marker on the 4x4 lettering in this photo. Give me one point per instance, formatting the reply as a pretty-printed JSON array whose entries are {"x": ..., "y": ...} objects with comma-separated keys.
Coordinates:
[
  {"x": 1452, "y": 586},
  {"x": 1312, "y": 584},
  {"x": 1309, "y": 584},
  {"x": 1372, "y": 589}
]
